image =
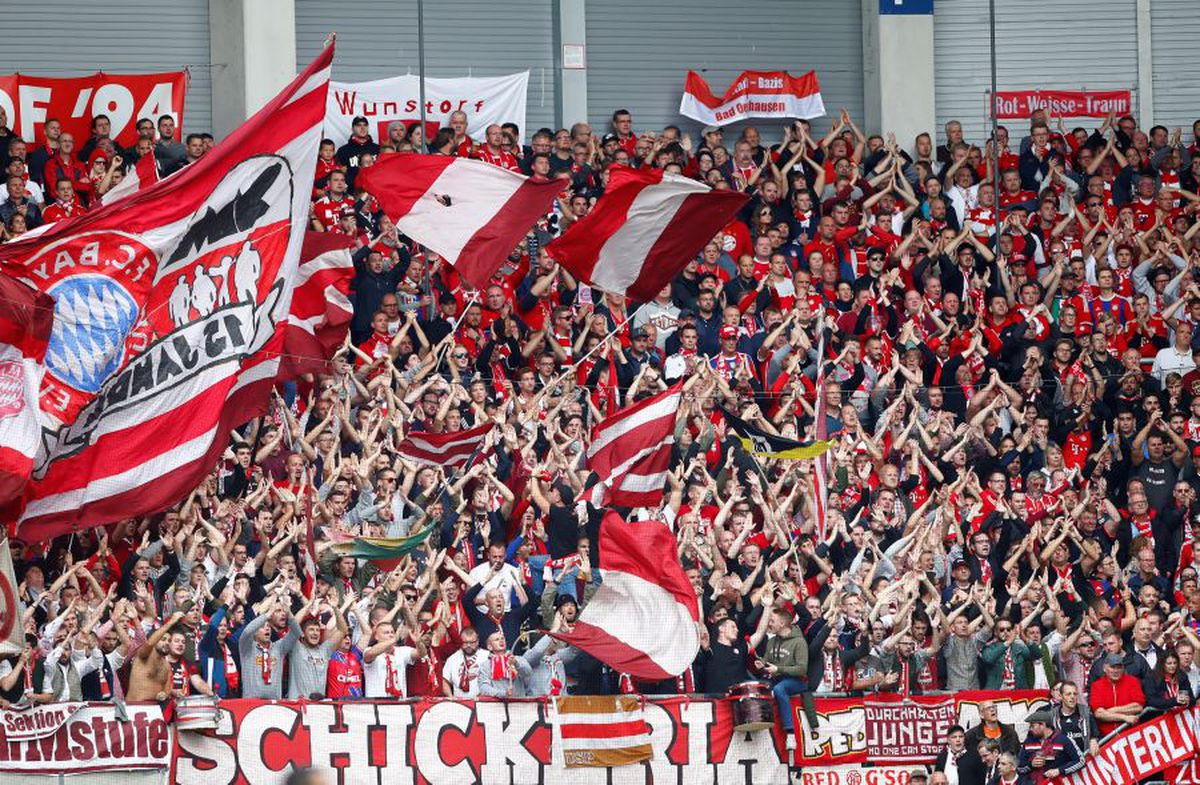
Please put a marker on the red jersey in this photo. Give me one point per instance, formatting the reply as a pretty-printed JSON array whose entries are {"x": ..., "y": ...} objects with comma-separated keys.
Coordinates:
[
  {"x": 344, "y": 677},
  {"x": 503, "y": 158},
  {"x": 329, "y": 210}
]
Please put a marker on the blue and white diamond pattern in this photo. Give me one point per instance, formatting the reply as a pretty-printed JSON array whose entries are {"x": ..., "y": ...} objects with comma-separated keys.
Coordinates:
[{"x": 93, "y": 314}]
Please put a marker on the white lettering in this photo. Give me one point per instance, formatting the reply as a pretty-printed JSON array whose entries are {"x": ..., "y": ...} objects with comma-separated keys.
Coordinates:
[
  {"x": 506, "y": 725},
  {"x": 328, "y": 738},
  {"x": 429, "y": 732},
  {"x": 34, "y": 101},
  {"x": 250, "y": 744}
]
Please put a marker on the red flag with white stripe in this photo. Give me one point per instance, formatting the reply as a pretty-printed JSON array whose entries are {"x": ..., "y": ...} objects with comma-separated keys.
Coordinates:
[
  {"x": 142, "y": 175},
  {"x": 631, "y": 451},
  {"x": 643, "y": 619},
  {"x": 321, "y": 310},
  {"x": 644, "y": 230},
  {"x": 450, "y": 449},
  {"x": 25, "y": 319},
  {"x": 170, "y": 313},
  {"x": 470, "y": 212},
  {"x": 753, "y": 94}
]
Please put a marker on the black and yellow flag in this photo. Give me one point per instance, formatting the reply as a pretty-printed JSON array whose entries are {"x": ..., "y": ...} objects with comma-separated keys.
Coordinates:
[{"x": 765, "y": 445}]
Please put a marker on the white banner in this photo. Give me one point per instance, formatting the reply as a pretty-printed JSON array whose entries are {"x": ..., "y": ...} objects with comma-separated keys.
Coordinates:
[
  {"x": 485, "y": 100},
  {"x": 92, "y": 739},
  {"x": 36, "y": 722}
]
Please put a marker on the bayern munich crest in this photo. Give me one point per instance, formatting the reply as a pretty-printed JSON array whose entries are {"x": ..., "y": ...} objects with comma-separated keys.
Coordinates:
[
  {"x": 93, "y": 315},
  {"x": 12, "y": 388}
]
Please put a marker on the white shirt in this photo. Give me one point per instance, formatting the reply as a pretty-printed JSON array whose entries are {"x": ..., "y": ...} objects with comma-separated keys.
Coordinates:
[
  {"x": 375, "y": 672},
  {"x": 452, "y": 672},
  {"x": 505, "y": 580},
  {"x": 1170, "y": 360}
]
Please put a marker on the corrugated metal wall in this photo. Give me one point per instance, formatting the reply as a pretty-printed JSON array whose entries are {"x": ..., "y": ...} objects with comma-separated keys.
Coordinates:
[
  {"x": 1065, "y": 45},
  {"x": 1175, "y": 36},
  {"x": 378, "y": 38},
  {"x": 76, "y": 37},
  {"x": 640, "y": 50}
]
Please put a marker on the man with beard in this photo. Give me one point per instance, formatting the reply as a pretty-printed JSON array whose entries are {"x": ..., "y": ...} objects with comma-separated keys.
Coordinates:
[{"x": 460, "y": 674}]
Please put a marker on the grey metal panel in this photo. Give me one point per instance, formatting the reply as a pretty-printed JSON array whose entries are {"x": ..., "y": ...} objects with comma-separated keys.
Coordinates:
[
  {"x": 638, "y": 52},
  {"x": 1064, "y": 45},
  {"x": 1175, "y": 36},
  {"x": 76, "y": 37},
  {"x": 378, "y": 38}
]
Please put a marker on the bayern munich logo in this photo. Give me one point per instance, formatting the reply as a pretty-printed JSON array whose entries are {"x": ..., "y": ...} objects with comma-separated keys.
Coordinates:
[
  {"x": 12, "y": 389},
  {"x": 93, "y": 315}
]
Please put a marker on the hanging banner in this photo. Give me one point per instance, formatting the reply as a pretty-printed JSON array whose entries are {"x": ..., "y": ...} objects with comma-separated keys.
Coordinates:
[
  {"x": 89, "y": 738},
  {"x": 1020, "y": 104},
  {"x": 844, "y": 736},
  {"x": 36, "y": 722},
  {"x": 447, "y": 741},
  {"x": 753, "y": 94},
  {"x": 485, "y": 100},
  {"x": 907, "y": 730},
  {"x": 855, "y": 775},
  {"x": 29, "y": 101},
  {"x": 1141, "y": 751}
]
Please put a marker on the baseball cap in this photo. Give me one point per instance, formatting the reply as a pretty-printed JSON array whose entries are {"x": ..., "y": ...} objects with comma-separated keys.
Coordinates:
[
  {"x": 1115, "y": 660},
  {"x": 609, "y": 138},
  {"x": 638, "y": 332},
  {"x": 728, "y": 331},
  {"x": 711, "y": 129},
  {"x": 959, "y": 563},
  {"x": 1041, "y": 716}
]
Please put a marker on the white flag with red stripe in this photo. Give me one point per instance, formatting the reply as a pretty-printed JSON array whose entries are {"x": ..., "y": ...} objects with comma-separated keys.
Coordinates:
[
  {"x": 601, "y": 730},
  {"x": 321, "y": 309},
  {"x": 631, "y": 451},
  {"x": 753, "y": 94},
  {"x": 142, "y": 175},
  {"x": 169, "y": 317},
  {"x": 644, "y": 230},
  {"x": 643, "y": 619},
  {"x": 450, "y": 449},
  {"x": 470, "y": 212},
  {"x": 25, "y": 319}
]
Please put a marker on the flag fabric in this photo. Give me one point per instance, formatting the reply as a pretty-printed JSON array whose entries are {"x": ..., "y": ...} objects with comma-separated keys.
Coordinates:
[
  {"x": 643, "y": 618},
  {"x": 142, "y": 175},
  {"x": 753, "y": 94},
  {"x": 644, "y": 230},
  {"x": 384, "y": 552},
  {"x": 12, "y": 632},
  {"x": 321, "y": 310},
  {"x": 631, "y": 450},
  {"x": 470, "y": 212},
  {"x": 601, "y": 730},
  {"x": 451, "y": 449},
  {"x": 768, "y": 445},
  {"x": 169, "y": 317},
  {"x": 26, "y": 316}
]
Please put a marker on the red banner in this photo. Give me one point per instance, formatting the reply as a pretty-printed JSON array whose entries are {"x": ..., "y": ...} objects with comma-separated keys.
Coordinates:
[
  {"x": 844, "y": 736},
  {"x": 910, "y": 730},
  {"x": 1020, "y": 104},
  {"x": 443, "y": 741},
  {"x": 29, "y": 101},
  {"x": 1143, "y": 750}
]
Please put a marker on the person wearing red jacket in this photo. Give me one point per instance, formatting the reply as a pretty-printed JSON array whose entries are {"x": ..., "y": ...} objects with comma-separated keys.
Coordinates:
[{"x": 64, "y": 166}]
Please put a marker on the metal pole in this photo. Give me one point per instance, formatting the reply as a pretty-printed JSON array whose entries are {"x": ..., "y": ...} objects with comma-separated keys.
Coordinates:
[
  {"x": 995, "y": 123},
  {"x": 427, "y": 280}
]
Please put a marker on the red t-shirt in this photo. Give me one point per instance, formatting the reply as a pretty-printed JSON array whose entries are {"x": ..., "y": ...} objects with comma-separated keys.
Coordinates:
[
  {"x": 328, "y": 211},
  {"x": 1105, "y": 694}
]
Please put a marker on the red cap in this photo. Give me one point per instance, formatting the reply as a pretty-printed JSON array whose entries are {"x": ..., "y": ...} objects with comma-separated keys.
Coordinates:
[{"x": 729, "y": 331}]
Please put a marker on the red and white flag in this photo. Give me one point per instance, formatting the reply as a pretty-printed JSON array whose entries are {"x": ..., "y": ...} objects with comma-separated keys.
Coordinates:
[
  {"x": 753, "y": 94},
  {"x": 451, "y": 449},
  {"x": 321, "y": 309},
  {"x": 25, "y": 318},
  {"x": 631, "y": 451},
  {"x": 170, "y": 313},
  {"x": 601, "y": 730},
  {"x": 644, "y": 230},
  {"x": 471, "y": 213},
  {"x": 142, "y": 175},
  {"x": 643, "y": 619}
]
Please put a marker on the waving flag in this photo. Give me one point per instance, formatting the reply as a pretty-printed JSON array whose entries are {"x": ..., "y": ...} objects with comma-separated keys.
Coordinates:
[
  {"x": 142, "y": 175},
  {"x": 631, "y": 450},
  {"x": 644, "y": 230},
  {"x": 385, "y": 552},
  {"x": 321, "y": 310},
  {"x": 768, "y": 445},
  {"x": 25, "y": 319},
  {"x": 451, "y": 449},
  {"x": 169, "y": 318},
  {"x": 642, "y": 620},
  {"x": 753, "y": 94},
  {"x": 472, "y": 213}
]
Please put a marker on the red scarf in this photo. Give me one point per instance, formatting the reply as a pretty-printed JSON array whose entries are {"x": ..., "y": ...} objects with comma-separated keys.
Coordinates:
[
  {"x": 232, "y": 677},
  {"x": 503, "y": 668},
  {"x": 265, "y": 661},
  {"x": 391, "y": 687}
]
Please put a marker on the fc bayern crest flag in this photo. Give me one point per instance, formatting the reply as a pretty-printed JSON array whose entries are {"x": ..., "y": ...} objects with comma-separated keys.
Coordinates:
[
  {"x": 25, "y": 317},
  {"x": 169, "y": 319}
]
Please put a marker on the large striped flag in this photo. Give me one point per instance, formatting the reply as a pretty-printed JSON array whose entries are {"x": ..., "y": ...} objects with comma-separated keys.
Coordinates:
[
  {"x": 472, "y": 213},
  {"x": 643, "y": 618},
  {"x": 631, "y": 450},
  {"x": 450, "y": 449},
  {"x": 384, "y": 552},
  {"x": 645, "y": 229},
  {"x": 26, "y": 316},
  {"x": 169, "y": 317},
  {"x": 321, "y": 311},
  {"x": 601, "y": 730}
]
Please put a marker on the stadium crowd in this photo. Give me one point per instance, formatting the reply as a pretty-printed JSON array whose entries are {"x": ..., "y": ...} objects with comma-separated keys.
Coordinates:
[{"x": 1011, "y": 386}]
